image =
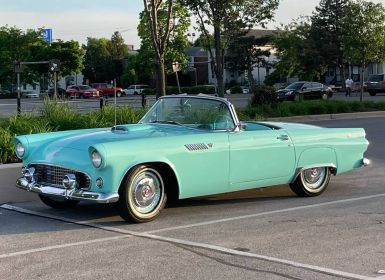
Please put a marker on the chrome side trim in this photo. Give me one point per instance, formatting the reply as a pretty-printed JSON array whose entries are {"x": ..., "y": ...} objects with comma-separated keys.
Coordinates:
[{"x": 74, "y": 194}]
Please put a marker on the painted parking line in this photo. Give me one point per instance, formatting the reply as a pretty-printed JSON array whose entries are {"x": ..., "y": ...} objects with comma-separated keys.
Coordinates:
[
  {"x": 53, "y": 247},
  {"x": 216, "y": 248},
  {"x": 268, "y": 213}
]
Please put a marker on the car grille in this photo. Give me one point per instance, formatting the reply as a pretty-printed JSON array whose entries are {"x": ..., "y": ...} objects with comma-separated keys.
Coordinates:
[{"x": 53, "y": 176}]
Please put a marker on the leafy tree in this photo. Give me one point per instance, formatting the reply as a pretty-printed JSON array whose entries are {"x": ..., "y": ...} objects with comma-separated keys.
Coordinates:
[
  {"x": 163, "y": 22},
  {"x": 103, "y": 58},
  {"x": 17, "y": 45},
  {"x": 296, "y": 52},
  {"x": 364, "y": 36},
  {"x": 227, "y": 18},
  {"x": 244, "y": 52},
  {"x": 326, "y": 33},
  {"x": 204, "y": 41}
]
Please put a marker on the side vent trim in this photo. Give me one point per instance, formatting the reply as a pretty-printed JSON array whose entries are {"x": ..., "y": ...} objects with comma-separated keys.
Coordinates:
[{"x": 196, "y": 147}]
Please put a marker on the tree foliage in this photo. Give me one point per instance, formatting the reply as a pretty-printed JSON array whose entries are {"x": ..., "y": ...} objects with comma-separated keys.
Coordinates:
[
  {"x": 19, "y": 45},
  {"x": 162, "y": 30},
  {"x": 296, "y": 52},
  {"x": 364, "y": 36},
  {"x": 245, "y": 52},
  {"x": 103, "y": 60},
  {"x": 176, "y": 45},
  {"x": 227, "y": 18},
  {"x": 326, "y": 32}
]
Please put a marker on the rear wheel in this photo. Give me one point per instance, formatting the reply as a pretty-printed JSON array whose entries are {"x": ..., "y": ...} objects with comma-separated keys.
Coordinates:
[
  {"x": 372, "y": 93},
  {"x": 311, "y": 182},
  {"x": 142, "y": 195},
  {"x": 58, "y": 203}
]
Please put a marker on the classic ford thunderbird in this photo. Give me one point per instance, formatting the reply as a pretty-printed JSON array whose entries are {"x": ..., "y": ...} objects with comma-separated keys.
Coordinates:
[{"x": 184, "y": 146}]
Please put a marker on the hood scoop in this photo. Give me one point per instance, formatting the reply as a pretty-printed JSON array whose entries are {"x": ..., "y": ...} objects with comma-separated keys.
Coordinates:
[{"x": 119, "y": 129}]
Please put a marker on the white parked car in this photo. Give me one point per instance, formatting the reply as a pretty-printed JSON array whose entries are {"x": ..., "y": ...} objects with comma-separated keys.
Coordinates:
[{"x": 135, "y": 89}]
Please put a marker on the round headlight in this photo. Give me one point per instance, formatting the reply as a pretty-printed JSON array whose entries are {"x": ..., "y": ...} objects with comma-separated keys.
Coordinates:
[
  {"x": 96, "y": 159},
  {"x": 20, "y": 150}
]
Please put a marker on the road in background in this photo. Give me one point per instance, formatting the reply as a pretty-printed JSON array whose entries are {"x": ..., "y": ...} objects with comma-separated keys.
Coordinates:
[{"x": 35, "y": 105}]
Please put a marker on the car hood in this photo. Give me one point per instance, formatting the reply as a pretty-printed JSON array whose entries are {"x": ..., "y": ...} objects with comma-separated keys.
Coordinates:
[{"x": 84, "y": 140}]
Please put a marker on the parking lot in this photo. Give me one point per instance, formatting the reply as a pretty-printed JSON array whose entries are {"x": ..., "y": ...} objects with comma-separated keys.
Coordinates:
[
  {"x": 35, "y": 105},
  {"x": 256, "y": 234}
]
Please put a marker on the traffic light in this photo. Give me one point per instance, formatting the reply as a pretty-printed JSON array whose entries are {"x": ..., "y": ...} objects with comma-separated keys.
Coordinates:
[
  {"x": 17, "y": 67},
  {"x": 54, "y": 65}
]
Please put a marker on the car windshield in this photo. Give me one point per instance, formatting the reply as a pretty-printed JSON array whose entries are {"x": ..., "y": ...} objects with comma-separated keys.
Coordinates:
[
  {"x": 200, "y": 113},
  {"x": 84, "y": 87},
  {"x": 375, "y": 78},
  {"x": 295, "y": 86}
]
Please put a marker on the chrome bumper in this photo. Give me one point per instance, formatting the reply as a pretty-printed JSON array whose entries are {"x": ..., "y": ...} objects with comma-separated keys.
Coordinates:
[
  {"x": 365, "y": 162},
  {"x": 74, "y": 194}
]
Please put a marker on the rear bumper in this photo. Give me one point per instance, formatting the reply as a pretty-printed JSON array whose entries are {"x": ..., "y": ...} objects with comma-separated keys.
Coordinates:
[
  {"x": 365, "y": 162},
  {"x": 73, "y": 194}
]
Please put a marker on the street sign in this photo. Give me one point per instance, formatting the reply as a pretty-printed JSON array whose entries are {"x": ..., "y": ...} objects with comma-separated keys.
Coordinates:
[{"x": 48, "y": 35}]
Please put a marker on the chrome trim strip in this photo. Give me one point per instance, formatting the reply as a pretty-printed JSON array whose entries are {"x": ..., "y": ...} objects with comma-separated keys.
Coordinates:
[{"x": 75, "y": 194}]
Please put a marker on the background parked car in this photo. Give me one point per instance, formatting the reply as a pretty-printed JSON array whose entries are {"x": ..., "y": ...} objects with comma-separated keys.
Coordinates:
[
  {"x": 29, "y": 94},
  {"x": 107, "y": 89},
  {"x": 83, "y": 91},
  {"x": 135, "y": 89},
  {"x": 376, "y": 84},
  {"x": 309, "y": 90}
]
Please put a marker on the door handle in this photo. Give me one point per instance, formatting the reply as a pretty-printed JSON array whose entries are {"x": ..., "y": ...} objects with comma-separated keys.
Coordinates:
[{"x": 283, "y": 137}]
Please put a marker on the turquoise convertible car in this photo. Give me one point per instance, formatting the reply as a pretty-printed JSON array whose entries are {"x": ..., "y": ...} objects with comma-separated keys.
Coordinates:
[{"x": 184, "y": 146}]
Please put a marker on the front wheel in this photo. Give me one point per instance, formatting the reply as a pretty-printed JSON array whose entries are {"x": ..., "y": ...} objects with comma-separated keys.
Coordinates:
[
  {"x": 58, "y": 203},
  {"x": 142, "y": 195},
  {"x": 119, "y": 94},
  {"x": 311, "y": 182}
]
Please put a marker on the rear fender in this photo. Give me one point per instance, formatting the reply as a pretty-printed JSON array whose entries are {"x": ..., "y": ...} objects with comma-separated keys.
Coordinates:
[{"x": 317, "y": 157}]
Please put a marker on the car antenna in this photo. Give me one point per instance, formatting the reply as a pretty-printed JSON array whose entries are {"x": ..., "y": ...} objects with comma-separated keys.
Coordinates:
[{"x": 114, "y": 84}]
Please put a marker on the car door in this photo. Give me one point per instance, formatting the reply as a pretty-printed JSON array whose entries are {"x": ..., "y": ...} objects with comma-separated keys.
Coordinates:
[
  {"x": 306, "y": 90},
  {"x": 260, "y": 155},
  {"x": 317, "y": 90}
]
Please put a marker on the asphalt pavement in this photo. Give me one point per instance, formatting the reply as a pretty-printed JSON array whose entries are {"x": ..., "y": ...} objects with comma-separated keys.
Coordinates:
[
  {"x": 256, "y": 234},
  {"x": 8, "y": 107}
]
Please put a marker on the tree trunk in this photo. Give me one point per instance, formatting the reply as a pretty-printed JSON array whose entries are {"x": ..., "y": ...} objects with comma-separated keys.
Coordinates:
[
  {"x": 218, "y": 61},
  {"x": 160, "y": 78}
]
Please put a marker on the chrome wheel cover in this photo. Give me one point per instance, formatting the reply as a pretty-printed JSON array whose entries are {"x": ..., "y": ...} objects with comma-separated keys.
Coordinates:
[
  {"x": 146, "y": 191},
  {"x": 313, "y": 178}
]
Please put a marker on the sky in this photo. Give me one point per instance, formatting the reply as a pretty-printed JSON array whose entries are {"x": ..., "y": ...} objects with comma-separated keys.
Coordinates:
[{"x": 79, "y": 19}]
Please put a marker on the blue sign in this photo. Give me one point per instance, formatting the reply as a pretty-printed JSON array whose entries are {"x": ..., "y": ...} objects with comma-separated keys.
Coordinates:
[{"x": 48, "y": 35}]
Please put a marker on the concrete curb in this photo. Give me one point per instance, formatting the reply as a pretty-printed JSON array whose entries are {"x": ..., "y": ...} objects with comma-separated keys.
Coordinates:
[{"x": 325, "y": 117}]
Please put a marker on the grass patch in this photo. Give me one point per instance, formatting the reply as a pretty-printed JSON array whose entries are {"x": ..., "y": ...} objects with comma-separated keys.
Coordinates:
[{"x": 316, "y": 107}]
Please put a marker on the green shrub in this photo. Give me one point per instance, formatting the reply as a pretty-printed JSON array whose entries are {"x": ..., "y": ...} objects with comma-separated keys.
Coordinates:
[
  {"x": 263, "y": 95},
  {"x": 7, "y": 153},
  {"x": 235, "y": 89}
]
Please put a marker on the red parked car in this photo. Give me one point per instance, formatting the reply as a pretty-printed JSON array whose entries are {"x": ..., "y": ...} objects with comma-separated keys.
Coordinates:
[
  {"x": 82, "y": 91},
  {"x": 107, "y": 89}
]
